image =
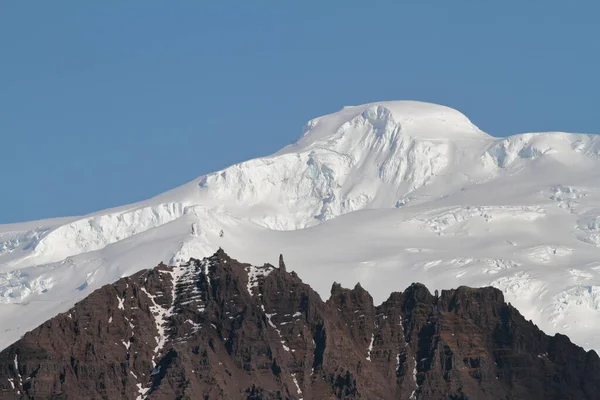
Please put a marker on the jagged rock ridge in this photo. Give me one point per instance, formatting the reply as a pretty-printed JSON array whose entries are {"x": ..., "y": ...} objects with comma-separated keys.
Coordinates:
[{"x": 219, "y": 329}]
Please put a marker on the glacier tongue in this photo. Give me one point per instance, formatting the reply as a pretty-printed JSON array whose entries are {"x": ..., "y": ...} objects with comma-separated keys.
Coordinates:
[{"x": 385, "y": 193}]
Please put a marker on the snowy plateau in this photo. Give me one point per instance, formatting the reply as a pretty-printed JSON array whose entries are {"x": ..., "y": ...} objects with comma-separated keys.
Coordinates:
[{"x": 384, "y": 194}]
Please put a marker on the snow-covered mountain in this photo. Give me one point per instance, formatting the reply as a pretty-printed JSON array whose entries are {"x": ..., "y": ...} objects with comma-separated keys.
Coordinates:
[{"x": 386, "y": 194}]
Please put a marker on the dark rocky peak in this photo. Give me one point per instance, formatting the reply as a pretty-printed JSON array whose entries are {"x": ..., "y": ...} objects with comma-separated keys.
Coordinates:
[
  {"x": 281, "y": 263},
  {"x": 350, "y": 298},
  {"x": 417, "y": 294},
  {"x": 355, "y": 308},
  {"x": 466, "y": 299},
  {"x": 216, "y": 328}
]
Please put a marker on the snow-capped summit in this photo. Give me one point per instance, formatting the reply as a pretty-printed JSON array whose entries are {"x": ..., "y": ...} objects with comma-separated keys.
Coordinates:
[
  {"x": 365, "y": 156},
  {"x": 382, "y": 193},
  {"x": 385, "y": 121},
  {"x": 373, "y": 156}
]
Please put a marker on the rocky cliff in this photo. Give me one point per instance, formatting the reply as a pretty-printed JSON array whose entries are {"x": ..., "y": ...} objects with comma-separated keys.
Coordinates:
[{"x": 219, "y": 329}]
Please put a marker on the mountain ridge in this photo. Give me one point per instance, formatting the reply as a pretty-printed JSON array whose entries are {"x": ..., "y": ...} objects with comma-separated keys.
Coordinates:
[{"x": 219, "y": 329}]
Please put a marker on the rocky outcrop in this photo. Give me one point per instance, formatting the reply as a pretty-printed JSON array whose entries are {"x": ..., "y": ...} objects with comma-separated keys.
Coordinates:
[{"x": 219, "y": 329}]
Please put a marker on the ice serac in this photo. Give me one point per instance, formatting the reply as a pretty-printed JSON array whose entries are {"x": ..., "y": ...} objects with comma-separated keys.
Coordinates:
[
  {"x": 194, "y": 331},
  {"x": 384, "y": 193}
]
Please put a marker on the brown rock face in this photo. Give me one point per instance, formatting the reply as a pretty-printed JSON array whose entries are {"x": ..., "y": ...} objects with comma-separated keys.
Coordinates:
[{"x": 219, "y": 329}]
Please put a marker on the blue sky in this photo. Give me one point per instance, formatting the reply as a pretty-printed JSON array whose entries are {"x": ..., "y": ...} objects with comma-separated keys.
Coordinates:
[{"x": 106, "y": 103}]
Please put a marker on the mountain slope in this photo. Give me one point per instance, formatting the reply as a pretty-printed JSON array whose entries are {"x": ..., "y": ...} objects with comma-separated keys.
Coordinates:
[
  {"x": 218, "y": 329},
  {"x": 384, "y": 193}
]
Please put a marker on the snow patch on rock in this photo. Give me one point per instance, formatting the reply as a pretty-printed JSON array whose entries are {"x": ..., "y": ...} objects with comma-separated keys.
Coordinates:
[{"x": 255, "y": 275}]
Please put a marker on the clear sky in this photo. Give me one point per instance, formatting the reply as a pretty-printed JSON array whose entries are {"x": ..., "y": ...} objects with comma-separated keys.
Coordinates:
[{"x": 103, "y": 103}]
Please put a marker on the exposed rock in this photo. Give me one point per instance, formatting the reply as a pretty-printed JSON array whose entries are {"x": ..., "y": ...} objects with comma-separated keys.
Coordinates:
[{"x": 219, "y": 329}]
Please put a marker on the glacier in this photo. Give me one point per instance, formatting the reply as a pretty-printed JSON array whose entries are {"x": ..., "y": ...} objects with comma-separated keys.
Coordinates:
[{"x": 386, "y": 193}]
